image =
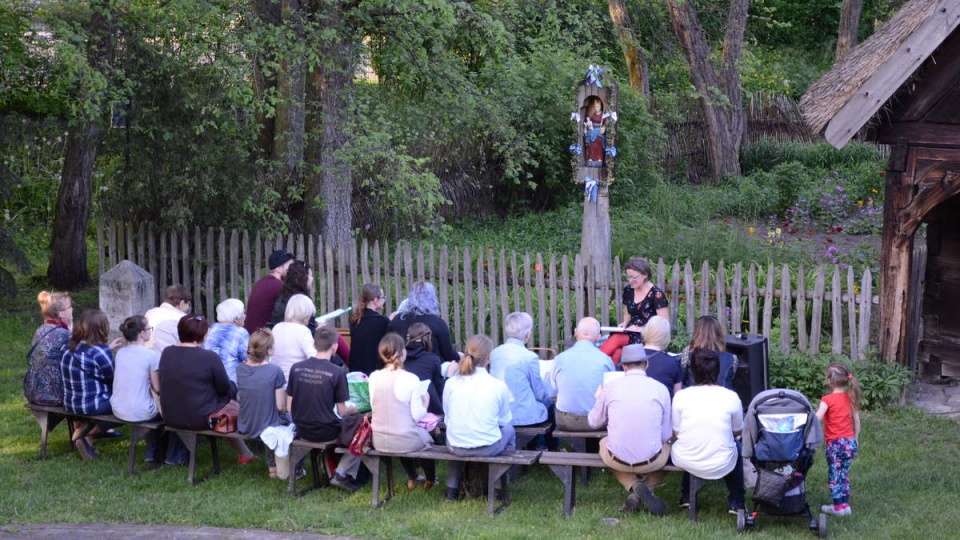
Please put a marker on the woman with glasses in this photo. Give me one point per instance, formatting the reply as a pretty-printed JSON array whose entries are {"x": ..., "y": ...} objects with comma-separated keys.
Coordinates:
[
  {"x": 641, "y": 300},
  {"x": 43, "y": 383},
  {"x": 368, "y": 325},
  {"x": 136, "y": 378}
]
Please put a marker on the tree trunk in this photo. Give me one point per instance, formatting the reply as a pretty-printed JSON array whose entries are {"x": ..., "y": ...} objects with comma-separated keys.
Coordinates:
[
  {"x": 849, "y": 27},
  {"x": 288, "y": 140},
  {"x": 264, "y": 13},
  {"x": 329, "y": 98},
  {"x": 68, "y": 243},
  {"x": 632, "y": 53},
  {"x": 720, "y": 95}
]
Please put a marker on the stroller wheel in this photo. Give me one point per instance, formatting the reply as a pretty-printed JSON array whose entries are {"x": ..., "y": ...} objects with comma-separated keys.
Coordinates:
[
  {"x": 741, "y": 520},
  {"x": 822, "y": 526}
]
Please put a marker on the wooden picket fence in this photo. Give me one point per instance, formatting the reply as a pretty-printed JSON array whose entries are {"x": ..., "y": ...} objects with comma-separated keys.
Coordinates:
[{"x": 477, "y": 288}]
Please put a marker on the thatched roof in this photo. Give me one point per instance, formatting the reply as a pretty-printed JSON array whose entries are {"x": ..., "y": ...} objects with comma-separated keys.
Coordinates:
[{"x": 844, "y": 100}]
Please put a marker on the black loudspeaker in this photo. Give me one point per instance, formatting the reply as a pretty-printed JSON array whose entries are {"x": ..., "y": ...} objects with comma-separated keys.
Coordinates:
[{"x": 752, "y": 375}]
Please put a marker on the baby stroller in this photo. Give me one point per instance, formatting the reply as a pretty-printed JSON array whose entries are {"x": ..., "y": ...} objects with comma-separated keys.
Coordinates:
[{"x": 781, "y": 433}]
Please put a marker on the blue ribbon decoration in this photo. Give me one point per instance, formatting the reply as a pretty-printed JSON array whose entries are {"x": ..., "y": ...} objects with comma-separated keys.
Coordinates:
[
  {"x": 593, "y": 76},
  {"x": 574, "y": 149},
  {"x": 611, "y": 151},
  {"x": 590, "y": 188}
]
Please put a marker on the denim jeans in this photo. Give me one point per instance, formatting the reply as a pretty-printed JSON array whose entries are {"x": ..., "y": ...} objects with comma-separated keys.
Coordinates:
[{"x": 507, "y": 442}]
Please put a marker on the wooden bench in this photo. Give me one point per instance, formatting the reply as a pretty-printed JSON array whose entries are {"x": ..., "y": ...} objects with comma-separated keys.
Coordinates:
[
  {"x": 50, "y": 417},
  {"x": 525, "y": 434},
  {"x": 578, "y": 441},
  {"x": 191, "y": 439},
  {"x": 299, "y": 448},
  {"x": 562, "y": 464},
  {"x": 498, "y": 466}
]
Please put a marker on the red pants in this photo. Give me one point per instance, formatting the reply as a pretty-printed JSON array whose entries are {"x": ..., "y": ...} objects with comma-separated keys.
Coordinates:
[{"x": 614, "y": 345}]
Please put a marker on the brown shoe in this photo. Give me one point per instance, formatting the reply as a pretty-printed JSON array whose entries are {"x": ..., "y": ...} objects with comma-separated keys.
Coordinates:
[{"x": 85, "y": 449}]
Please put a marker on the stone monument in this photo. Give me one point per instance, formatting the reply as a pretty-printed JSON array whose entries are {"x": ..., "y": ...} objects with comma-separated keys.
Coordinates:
[{"x": 126, "y": 290}]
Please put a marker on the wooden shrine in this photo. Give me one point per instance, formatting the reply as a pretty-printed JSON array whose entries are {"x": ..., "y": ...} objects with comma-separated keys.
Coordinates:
[
  {"x": 594, "y": 153},
  {"x": 901, "y": 88}
]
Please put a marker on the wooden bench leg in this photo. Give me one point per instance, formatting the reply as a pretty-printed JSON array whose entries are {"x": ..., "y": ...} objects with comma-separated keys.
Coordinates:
[
  {"x": 497, "y": 472},
  {"x": 296, "y": 453},
  {"x": 216, "y": 455},
  {"x": 696, "y": 484},
  {"x": 565, "y": 474},
  {"x": 373, "y": 464},
  {"x": 138, "y": 433},
  {"x": 579, "y": 444},
  {"x": 47, "y": 422},
  {"x": 189, "y": 440}
]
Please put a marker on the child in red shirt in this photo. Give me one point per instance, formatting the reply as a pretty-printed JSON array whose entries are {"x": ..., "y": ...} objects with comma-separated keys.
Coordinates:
[{"x": 839, "y": 411}]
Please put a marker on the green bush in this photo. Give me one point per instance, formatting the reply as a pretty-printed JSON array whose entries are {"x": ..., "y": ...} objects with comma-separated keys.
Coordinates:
[
  {"x": 766, "y": 154},
  {"x": 881, "y": 384}
]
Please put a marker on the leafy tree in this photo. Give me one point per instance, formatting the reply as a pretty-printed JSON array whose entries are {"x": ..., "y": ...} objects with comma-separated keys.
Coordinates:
[{"x": 719, "y": 91}]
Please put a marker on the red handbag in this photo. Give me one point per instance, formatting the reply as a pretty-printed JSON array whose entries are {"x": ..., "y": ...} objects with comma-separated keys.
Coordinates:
[
  {"x": 363, "y": 438},
  {"x": 225, "y": 420}
]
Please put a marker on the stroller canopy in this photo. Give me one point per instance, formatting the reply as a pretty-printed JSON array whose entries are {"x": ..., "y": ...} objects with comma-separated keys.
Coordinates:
[{"x": 780, "y": 401}]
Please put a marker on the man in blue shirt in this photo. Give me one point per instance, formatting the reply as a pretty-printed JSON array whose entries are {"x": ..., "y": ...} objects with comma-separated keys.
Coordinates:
[
  {"x": 519, "y": 368},
  {"x": 577, "y": 373}
]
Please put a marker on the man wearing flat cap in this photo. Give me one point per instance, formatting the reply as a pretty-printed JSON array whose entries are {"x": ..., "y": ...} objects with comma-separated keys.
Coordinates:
[
  {"x": 265, "y": 291},
  {"x": 636, "y": 411}
]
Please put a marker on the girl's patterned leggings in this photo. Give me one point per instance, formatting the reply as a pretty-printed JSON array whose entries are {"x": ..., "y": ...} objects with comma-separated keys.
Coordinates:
[{"x": 840, "y": 453}]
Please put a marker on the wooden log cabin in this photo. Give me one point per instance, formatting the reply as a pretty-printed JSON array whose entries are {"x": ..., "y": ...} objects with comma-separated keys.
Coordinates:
[{"x": 901, "y": 88}]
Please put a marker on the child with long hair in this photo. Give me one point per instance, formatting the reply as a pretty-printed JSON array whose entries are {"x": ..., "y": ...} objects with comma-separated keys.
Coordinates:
[{"x": 839, "y": 411}]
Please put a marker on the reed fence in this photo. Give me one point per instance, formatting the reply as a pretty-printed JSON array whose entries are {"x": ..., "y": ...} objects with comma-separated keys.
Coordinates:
[{"x": 477, "y": 288}]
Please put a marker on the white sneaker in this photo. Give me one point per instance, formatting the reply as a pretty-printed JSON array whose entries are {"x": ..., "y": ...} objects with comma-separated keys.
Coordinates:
[{"x": 834, "y": 511}]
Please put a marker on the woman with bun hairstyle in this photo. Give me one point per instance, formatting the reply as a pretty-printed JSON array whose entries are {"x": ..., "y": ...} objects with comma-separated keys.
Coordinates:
[
  {"x": 136, "y": 378},
  {"x": 43, "y": 382},
  {"x": 397, "y": 405},
  {"x": 476, "y": 408},
  {"x": 368, "y": 325}
]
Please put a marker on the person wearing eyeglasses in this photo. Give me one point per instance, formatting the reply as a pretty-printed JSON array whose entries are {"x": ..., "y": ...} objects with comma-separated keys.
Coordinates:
[
  {"x": 641, "y": 300},
  {"x": 137, "y": 373},
  {"x": 164, "y": 318}
]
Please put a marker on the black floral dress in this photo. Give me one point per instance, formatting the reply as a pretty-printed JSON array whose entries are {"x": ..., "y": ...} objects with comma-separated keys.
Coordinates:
[{"x": 640, "y": 312}]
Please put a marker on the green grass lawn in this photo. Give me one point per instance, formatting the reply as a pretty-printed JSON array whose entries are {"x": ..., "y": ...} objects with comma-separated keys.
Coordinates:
[{"x": 906, "y": 484}]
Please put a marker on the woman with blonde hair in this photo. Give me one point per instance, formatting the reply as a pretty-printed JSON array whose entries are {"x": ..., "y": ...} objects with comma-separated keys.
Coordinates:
[
  {"x": 263, "y": 402},
  {"x": 368, "y": 325},
  {"x": 476, "y": 409},
  {"x": 43, "y": 382},
  {"x": 397, "y": 404},
  {"x": 293, "y": 340}
]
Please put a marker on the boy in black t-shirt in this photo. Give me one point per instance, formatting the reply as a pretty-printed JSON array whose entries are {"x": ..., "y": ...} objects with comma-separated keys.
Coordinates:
[{"x": 315, "y": 386}]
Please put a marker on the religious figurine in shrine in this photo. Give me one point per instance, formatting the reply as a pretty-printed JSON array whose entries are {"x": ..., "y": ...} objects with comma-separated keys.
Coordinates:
[{"x": 594, "y": 132}]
